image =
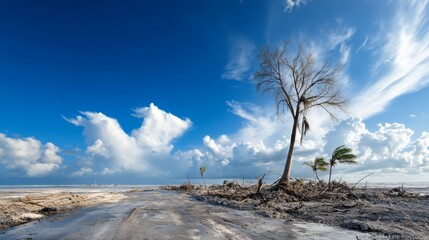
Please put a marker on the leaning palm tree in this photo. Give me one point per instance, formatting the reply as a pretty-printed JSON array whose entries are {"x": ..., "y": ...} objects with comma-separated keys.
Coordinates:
[
  {"x": 341, "y": 154},
  {"x": 318, "y": 163}
]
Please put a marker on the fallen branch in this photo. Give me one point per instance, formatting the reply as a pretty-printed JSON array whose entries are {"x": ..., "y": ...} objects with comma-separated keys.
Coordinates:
[
  {"x": 275, "y": 183},
  {"x": 33, "y": 203},
  {"x": 360, "y": 181}
]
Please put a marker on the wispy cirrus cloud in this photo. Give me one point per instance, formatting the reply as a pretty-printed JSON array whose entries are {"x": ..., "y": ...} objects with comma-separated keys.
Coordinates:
[
  {"x": 291, "y": 4},
  {"x": 363, "y": 45},
  {"x": 403, "y": 60},
  {"x": 337, "y": 43},
  {"x": 242, "y": 53},
  {"x": 340, "y": 38}
]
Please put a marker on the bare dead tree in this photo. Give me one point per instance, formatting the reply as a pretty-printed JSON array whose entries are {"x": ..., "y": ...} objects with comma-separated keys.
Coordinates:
[
  {"x": 260, "y": 183},
  {"x": 299, "y": 84}
]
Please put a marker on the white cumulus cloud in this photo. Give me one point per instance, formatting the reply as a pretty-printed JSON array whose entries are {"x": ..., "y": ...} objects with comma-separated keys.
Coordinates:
[
  {"x": 83, "y": 171},
  {"x": 390, "y": 148},
  {"x": 29, "y": 155},
  {"x": 146, "y": 149}
]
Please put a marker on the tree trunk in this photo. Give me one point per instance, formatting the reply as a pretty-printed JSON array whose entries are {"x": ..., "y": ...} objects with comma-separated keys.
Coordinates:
[
  {"x": 204, "y": 181},
  {"x": 317, "y": 176},
  {"x": 330, "y": 172},
  {"x": 284, "y": 180}
]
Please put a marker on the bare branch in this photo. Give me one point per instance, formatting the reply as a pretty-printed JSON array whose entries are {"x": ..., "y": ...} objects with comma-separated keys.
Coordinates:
[{"x": 299, "y": 84}]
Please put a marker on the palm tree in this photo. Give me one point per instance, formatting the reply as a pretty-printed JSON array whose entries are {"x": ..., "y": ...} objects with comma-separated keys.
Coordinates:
[
  {"x": 341, "y": 154},
  {"x": 319, "y": 163},
  {"x": 202, "y": 171}
]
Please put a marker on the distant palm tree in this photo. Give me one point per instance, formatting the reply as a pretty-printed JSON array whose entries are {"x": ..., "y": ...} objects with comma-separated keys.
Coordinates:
[
  {"x": 202, "y": 171},
  {"x": 341, "y": 154},
  {"x": 319, "y": 163}
]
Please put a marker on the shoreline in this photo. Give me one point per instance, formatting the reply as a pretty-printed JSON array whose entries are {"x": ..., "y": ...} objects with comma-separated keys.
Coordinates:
[{"x": 16, "y": 209}]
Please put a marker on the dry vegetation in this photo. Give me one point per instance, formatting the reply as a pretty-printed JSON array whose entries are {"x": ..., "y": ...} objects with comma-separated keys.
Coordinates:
[{"x": 389, "y": 212}]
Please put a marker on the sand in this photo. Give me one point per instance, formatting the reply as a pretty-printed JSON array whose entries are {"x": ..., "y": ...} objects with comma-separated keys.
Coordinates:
[
  {"x": 170, "y": 215},
  {"x": 225, "y": 212},
  {"x": 388, "y": 213},
  {"x": 18, "y": 210}
]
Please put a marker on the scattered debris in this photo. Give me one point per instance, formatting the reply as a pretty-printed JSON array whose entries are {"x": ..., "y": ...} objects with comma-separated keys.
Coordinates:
[{"x": 390, "y": 212}]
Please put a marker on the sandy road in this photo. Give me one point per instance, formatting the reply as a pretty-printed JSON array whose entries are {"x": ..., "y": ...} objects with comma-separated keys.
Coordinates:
[{"x": 168, "y": 215}]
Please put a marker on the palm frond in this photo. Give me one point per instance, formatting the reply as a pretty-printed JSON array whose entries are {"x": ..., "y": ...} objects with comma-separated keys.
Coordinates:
[
  {"x": 319, "y": 160},
  {"x": 340, "y": 151},
  {"x": 348, "y": 161},
  {"x": 343, "y": 154},
  {"x": 337, "y": 149},
  {"x": 304, "y": 128},
  {"x": 323, "y": 168},
  {"x": 349, "y": 156},
  {"x": 202, "y": 170},
  {"x": 310, "y": 164},
  {"x": 321, "y": 164}
]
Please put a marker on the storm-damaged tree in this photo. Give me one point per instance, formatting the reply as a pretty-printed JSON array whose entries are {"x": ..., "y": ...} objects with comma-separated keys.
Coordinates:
[
  {"x": 260, "y": 183},
  {"x": 299, "y": 84},
  {"x": 341, "y": 154},
  {"x": 318, "y": 163},
  {"x": 202, "y": 171}
]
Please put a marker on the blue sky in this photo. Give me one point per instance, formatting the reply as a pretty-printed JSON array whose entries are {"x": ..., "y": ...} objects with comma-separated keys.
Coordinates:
[{"x": 148, "y": 91}]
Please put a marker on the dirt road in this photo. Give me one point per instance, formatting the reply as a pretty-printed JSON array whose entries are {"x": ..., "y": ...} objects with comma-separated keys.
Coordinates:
[{"x": 169, "y": 215}]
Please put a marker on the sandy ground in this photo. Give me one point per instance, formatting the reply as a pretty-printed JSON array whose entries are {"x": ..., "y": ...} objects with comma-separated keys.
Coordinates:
[
  {"x": 170, "y": 215},
  {"x": 16, "y": 209},
  {"x": 380, "y": 211}
]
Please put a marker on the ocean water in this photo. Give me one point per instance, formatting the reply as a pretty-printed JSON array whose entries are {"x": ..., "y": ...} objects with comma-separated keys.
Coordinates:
[
  {"x": 8, "y": 191},
  {"x": 421, "y": 188}
]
